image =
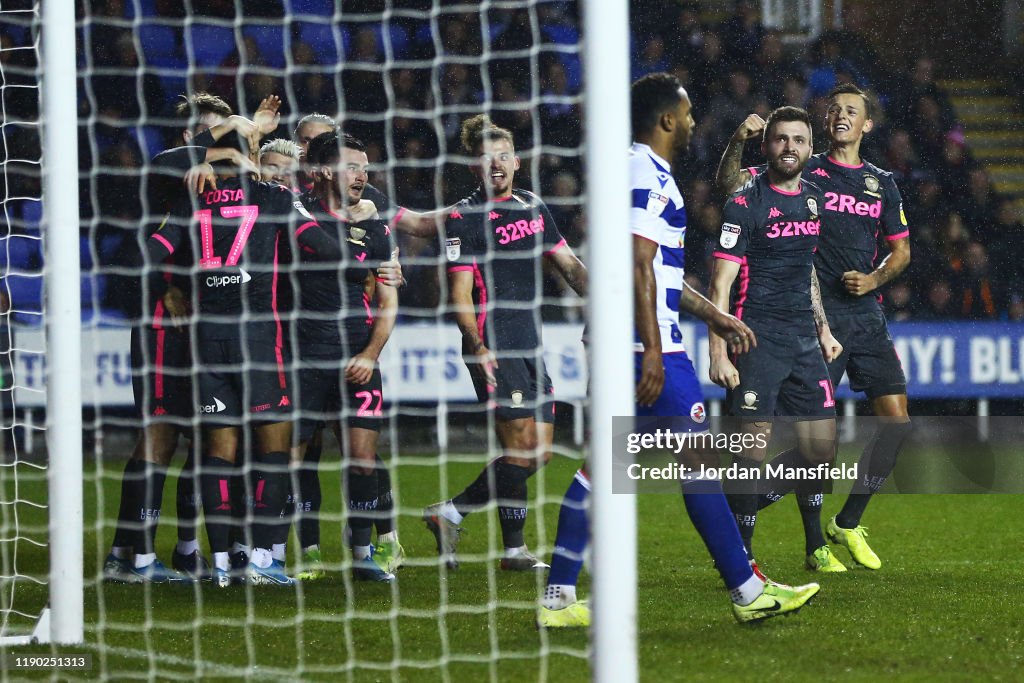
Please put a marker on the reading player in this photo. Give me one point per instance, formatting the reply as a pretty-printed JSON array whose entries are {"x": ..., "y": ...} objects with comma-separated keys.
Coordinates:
[
  {"x": 769, "y": 233},
  {"x": 161, "y": 366},
  {"x": 231, "y": 239},
  {"x": 666, "y": 384},
  {"x": 861, "y": 201},
  {"x": 340, "y": 341},
  {"x": 494, "y": 243}
]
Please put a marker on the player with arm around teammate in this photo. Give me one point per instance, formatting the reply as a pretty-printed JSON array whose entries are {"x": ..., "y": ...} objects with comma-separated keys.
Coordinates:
[{"x": 495, "y": 241}]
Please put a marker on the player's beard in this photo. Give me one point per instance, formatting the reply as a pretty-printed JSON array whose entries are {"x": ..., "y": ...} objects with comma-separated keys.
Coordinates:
[{"x": 787, "y": 172}]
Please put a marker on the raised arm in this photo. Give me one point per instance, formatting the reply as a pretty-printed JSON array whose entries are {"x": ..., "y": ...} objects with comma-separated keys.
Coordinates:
[{"x": 730, "y": 177}]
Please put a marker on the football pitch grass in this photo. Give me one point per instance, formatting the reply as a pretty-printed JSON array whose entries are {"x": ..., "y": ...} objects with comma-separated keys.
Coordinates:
[{"x": 943, "y": 607}]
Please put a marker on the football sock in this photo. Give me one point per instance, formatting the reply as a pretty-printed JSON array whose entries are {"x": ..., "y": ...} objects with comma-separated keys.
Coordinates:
[
  {"x": 132, "y": 492},
  {"x": 743, "y": 503},
  {"x": 240, "y": 494},
  {"x": 511, "y": 492},
  {"x": 270, "y": 489},
  {"x": 474, "y": 496},
  {"x": 361, "y": 552},
  {"x": 261, "y": 557},
  {"x": 149, "y": 512},
  {"x": 875, "y": 465},
  {"x": 782, "y": 481},
  {"x": 215, "y": 484},
  {"x": 309, "y": 495},
  {"x": 810, "y": 496},
  {"x": 711, "y": 516},
  {"x": 277, "y": 551},
  {"x": 558, "y": 596},
  {"x": 385, "y": 519},
  {"x": 362, "y": 501},
  {"x": 747, "y": 592},
  {"x": 186, "y": 500},
  {"x": 222, "y": 561},
  {"x": 572, "y": 536},
  {"x": 186, "y": 547},
  {"x": 144, "y": 559}
]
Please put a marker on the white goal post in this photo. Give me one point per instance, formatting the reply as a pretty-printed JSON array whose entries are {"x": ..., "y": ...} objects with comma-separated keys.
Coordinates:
[{"x": 63, "y": 322}]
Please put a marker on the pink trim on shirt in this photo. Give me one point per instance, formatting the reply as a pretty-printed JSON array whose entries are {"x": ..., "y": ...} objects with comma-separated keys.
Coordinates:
[
  {"x": 163, "y": 240},
  {"x": 727, "y": 257},
  {"x": 841, "y": 164},
  {"x": 788, "y": 194},
  {"x": 898, "y": 236},
  {"x": 459, "y": 269},
  {"x": 398, "y": 216},
  {"x": 552, "y": 250},
  {"x": 304, "y": 227},
  {"x": 752, "y": 171}
]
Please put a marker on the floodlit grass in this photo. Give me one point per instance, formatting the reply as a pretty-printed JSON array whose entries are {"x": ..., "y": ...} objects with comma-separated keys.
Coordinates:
[{"x": 943, "y": 607}]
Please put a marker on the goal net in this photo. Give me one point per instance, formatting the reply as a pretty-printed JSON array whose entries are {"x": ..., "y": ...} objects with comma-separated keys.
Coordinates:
[{"x": 401, "y": 76}]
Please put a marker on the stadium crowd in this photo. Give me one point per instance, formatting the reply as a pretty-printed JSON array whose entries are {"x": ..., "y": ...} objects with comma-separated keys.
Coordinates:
[{"x": 404, "y": 89}]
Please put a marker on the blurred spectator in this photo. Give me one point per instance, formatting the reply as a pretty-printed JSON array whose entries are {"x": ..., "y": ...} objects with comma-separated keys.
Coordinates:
[
  {"x": 709, "y": 70},
  {"x": 978, "y": 295},
  {"x": 898, "y": 302},
  {"x": 978, "y": 205},
  {"x": 685, "y": 36},
  {"x": 652, "y": 58},
  {"x": 900, "y": 157},
  {"x": 939, "y": 305},
  {"x": 773, "y": 69},
  {"x": 742, "y": 32}
]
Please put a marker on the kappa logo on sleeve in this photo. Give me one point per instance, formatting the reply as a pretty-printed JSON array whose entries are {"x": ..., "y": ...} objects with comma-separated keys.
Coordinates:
[
  {"x": 730, "y": 235},
  {"x": 453, "y": 248},
  {"x": 656, "y": 203},
  {"x": 302, "y": 210}
]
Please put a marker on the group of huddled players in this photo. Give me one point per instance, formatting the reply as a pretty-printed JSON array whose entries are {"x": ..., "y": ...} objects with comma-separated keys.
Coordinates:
[
  {"x": 309, "y": 235},
  {"x": 266, "y": 263}
]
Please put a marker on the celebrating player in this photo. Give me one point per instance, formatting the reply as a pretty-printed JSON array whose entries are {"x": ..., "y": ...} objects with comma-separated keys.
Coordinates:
[
  {"x": 339, "y": 343},
  {"x": 769, "y": 233},
  {"x": 860, "y": 200},
  {"x": 666, "y": 384},
  {"x": 161, "y": 366},
  {"x": 234, "y": 240},
  {"x": 494, "y": 240}
]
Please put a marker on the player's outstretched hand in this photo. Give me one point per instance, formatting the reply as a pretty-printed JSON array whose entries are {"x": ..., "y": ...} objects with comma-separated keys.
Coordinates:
[
  {"x": 858, "y": 283},
  {"x": 199, "y": 177},
  {"x": 267, "y": 115},
  {"x": 652, "y": 378},
  {"x": 830, "y": 346},
  {"x": 734, "y": 331},
  {"x": 363, "y": 210},
  {"x": 724, "y": 373},
  {"x": 359, "y": 369},
  {"x": 751, "y": 127}
]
